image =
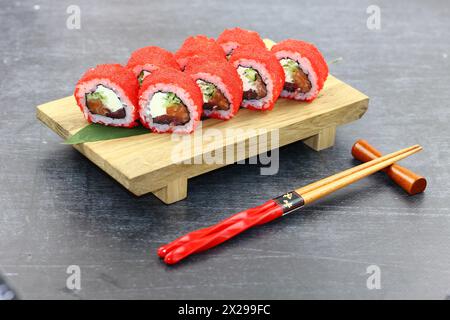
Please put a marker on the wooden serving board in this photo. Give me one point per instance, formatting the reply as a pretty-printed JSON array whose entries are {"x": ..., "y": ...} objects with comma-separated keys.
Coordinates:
[{"x": 144, "y": 163}]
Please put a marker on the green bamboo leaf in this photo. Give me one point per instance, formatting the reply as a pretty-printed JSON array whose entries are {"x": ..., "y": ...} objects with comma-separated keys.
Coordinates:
[{"x": 98, "y": 132}]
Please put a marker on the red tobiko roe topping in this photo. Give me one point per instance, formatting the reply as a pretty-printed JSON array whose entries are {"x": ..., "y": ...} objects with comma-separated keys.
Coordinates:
[
  {"x": 198, "y": 45},
  {"x": 117, "y": 74},
  {"x": 156, "y": 56},
  {"x": 241, "y": 37}
]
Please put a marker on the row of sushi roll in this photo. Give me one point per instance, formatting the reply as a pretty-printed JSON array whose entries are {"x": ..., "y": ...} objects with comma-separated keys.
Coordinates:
[{"x": 206, "y": 78}]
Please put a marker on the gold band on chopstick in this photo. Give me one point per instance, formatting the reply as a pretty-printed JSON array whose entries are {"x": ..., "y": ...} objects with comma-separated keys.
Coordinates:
[{"x": 290, "y": 201}]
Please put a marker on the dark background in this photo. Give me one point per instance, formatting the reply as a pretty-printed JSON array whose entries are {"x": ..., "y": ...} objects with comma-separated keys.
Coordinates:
[{"x": 58, "y": 209}]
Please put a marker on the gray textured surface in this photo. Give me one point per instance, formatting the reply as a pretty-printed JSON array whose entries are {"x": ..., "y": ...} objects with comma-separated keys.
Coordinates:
[{"x": 58, "y": 209}]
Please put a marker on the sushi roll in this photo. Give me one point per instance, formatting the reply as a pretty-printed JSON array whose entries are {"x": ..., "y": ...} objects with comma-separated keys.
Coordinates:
[
  {"x": 198, "y": 46},
  {"x": 170, "y": 101},
  {"x": 231, "y": 39},
  {"x": 107, "y": 94},
  {"x": 261, "y": 74},
  {"x": 304, "y": 67},
  {"x": 220, "y": 85},
  {"x": 145, "y": 60}
]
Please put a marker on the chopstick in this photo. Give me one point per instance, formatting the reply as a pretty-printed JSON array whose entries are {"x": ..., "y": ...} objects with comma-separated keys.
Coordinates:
[
  {"x": 163, "y": 250},
  {"x": 352, "y": 170},
  {"x": 326, "y": 188},
  {"x": 209, "y": 237}
]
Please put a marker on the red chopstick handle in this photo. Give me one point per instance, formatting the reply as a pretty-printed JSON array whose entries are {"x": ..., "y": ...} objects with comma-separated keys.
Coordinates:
[
  {"x": 223, "y": 235},
  {"x": 163, "y": 250},
  {"x": 209, "y": 237}
]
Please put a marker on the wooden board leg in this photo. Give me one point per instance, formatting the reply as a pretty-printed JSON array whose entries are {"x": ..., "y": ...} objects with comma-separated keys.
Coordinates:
[
  {"x": 175, "y": 190},
  {"x": 324, "y": 139}
]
